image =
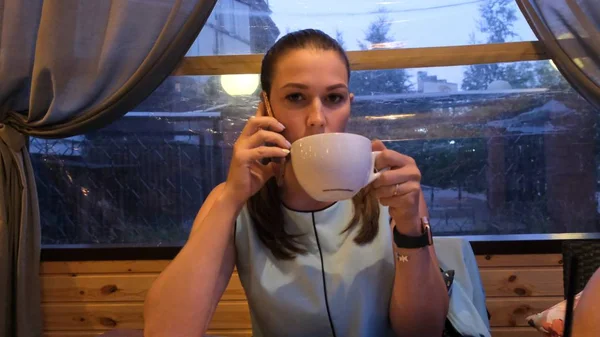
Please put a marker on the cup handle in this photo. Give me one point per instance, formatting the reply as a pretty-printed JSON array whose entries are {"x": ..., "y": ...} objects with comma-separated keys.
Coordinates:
[{"x": 372, "y": 174}]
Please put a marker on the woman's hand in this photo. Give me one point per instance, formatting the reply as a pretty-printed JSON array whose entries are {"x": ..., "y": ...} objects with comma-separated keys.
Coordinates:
[
  {"x": 399, "y": 188},
  {"x": 246, "y": 174}
]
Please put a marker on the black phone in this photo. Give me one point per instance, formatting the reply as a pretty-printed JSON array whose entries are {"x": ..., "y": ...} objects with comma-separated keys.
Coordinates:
[
  {"x": 269, "y": 110},
  {"x": 279, "y": 175}
]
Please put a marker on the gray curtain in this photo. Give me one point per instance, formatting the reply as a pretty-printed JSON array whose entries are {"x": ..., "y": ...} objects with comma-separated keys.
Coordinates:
[
  {"x": 68, "y": 67},
  {"x": 570, "y": 31}
]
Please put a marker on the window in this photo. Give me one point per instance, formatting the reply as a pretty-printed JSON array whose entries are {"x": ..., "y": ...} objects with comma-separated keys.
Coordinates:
[
  {"x": 504, "y": 148},
  {"x": 494, "y": 159},
  {"x": 227, "y": 30},
  {"x": 360, "y": 24},
  {"x": 516, "y": 156},
  {"x": 141, "y": 180}
]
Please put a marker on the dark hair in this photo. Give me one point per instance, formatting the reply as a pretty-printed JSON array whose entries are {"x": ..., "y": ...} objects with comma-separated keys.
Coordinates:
[
  {"x": 265, "y": 207},
  {"x": 302, "y": 39}
]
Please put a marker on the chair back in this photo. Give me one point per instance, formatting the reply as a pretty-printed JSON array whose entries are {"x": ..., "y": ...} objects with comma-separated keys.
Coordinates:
[{"x": 588, "y": 261}]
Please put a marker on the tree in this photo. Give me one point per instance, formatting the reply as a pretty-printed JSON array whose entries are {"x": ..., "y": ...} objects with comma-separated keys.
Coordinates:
[
  {"x": 378, "y": 31},
  {"x": 497, "y": 22},
  {"x": 176, "y": 94},
  {"x": 339, "y": 37},
  {"x": 549, "y": 77},
  {"x": 374, "y": 82}
]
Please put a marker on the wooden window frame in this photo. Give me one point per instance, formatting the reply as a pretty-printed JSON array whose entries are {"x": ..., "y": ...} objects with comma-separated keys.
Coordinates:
[{"x": 380, "y": 59}]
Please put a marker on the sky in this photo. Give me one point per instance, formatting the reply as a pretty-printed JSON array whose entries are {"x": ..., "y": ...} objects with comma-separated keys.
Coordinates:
[{"x": 415, "y": 23}]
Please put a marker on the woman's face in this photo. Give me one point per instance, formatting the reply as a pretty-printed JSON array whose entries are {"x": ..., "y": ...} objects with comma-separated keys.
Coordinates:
[{"x": 309, "y": 93}]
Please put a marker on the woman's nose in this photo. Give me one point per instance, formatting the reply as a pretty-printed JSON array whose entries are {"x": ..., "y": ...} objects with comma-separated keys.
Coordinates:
[{"x": 316, "y": 117}]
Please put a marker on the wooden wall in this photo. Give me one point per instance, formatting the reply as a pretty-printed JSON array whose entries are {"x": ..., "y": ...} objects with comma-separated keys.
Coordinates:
[
  {"x": 88, "y": 298},
  {"x": 517, "y": 286}
]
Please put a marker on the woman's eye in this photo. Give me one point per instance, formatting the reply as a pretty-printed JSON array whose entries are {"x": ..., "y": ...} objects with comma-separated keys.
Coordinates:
[
  {"x": 294, "y": 97},
  {"x": 335, "y": 98}
]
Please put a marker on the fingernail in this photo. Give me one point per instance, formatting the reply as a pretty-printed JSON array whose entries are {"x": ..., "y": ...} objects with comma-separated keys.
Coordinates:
[
  {"x": 286, "y": 151},
  {"x": 282, "y": 126},
  {"x": 288, "y": 144}
]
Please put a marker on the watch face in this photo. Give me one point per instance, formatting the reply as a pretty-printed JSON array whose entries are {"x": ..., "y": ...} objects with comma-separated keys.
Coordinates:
[{"x": 427, "y": 231}]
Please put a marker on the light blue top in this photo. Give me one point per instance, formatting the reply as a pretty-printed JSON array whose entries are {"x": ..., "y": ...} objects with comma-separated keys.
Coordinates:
[{"x": 337, "y": 288}]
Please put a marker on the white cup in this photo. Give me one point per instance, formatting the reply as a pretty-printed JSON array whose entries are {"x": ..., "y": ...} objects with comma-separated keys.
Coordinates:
[{"x": 333, "y": 166}]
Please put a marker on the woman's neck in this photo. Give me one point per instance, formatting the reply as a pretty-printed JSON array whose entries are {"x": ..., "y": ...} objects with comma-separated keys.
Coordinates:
[{"x": 293, "y": 195}]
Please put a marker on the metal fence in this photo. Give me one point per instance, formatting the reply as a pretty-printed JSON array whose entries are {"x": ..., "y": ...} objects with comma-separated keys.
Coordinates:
[
  {"x": 143, "y": 179},
  {"x": 113, "y": 186}
]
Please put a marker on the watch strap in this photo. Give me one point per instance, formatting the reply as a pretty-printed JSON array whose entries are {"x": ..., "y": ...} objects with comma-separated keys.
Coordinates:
[{"x": 411, "y": 242}]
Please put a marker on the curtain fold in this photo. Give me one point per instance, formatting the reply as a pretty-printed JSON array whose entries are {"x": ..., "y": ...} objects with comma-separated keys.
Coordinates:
[
  {"x": 570, "y": 31},
  {"x": 18, "y": 238},
  {"x": 69, "y": 67}
]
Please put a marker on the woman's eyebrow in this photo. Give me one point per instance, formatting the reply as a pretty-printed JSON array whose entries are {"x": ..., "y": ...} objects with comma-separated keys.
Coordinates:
[
  {"x": 337, "y": 86},
  {"x": 304, "y": 86},
  {"x": 295, "y": 85}
]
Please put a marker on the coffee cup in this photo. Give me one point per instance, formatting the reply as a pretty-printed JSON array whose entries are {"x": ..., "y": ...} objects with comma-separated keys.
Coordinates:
[{"x": 333, "y": 166}]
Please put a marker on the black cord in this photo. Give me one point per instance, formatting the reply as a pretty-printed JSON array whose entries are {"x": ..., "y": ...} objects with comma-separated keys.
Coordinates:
[
  {"x": 572, "y": 272},
  {"x": 323, "y": 275}
]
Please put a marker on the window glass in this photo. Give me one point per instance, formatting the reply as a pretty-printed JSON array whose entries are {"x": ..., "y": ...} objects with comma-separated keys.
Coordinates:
[
  {"x": 251, "y": 26},
  {"x": 516, "y": 153}
]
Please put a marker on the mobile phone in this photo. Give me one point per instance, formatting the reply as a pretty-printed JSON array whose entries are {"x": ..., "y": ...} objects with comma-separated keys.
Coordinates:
[
  {"x": 267, "y": 104},
  {"x": 281, "y": 161},
  {"x": 269, "y": 111}
]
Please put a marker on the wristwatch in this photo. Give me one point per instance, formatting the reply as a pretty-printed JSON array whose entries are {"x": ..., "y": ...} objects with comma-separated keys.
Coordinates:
[{"x": 424, "y": 240}]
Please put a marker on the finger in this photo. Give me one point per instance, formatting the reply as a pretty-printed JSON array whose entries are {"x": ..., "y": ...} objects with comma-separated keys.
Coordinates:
[
  {"x": 263, "y": 122},
  {"x": 264, "y": 172},
  {"x": 262, "y": 152},
  {"x": 411, "y": 189},
  {"x": 392, "y": 159},
  {"x": 398, "y": 176},
  {"x": 263, "y": 136},
  {"x": 397, "y": 190},
  {"x": 377, "y": 145}
]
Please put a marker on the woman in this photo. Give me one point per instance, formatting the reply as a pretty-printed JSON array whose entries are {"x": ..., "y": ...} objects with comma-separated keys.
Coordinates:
[
  {"x": 308, "y": 268},
  {"x": 585, "y": 316}
]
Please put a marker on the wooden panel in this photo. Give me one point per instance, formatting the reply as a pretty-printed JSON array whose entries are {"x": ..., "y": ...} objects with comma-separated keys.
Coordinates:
[
  {"x": 92, "y": 316},
  {"x": 518, "y": 260},
  {"x": 522, "y": 281},
  {"x": 513, "y": 284},
  {"x": 102, "y": 316},
  {"x": 210, "y": 333},
  {"x": 96, "y": 288},
  {"x": 379, "y": 59},
  {"x": 85, "y": 333},
  {"x": 103, "y": 267},
  {"x": 510, "y": 312},
  {"x": 515, "y": 332},
  {"x": 112, "y": 288},
  {"x": 157, "y": 266},
  {"x": 496, "y": 332}
]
